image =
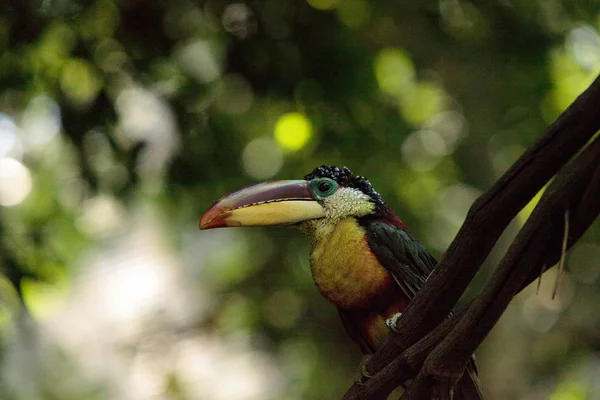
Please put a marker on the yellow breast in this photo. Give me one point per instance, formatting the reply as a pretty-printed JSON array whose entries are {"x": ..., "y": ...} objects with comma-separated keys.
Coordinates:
[{"x": 344, "y": 269}]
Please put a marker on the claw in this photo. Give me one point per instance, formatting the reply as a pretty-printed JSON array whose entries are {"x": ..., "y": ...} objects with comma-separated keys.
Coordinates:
[
  {"x": 392, "y": 322},
  {"x": 363, "y": 373}
]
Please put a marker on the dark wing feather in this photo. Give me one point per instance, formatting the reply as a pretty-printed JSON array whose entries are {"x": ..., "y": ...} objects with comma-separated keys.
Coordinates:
[
  {"x": 403, "y": 256},
  {"x": 411, "y": 264},
  {"x": 349, "y": 322}
]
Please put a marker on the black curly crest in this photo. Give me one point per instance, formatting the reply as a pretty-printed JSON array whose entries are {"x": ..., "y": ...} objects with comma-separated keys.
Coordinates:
[{"x": 343, "y": 176}]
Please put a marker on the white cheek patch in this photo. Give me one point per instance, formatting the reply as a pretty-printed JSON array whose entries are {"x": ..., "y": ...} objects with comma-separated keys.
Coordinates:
[{"x": 347, "y": 202}]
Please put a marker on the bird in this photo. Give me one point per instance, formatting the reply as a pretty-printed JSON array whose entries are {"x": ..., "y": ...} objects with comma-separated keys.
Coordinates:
[{"x": 363, "y": 258}]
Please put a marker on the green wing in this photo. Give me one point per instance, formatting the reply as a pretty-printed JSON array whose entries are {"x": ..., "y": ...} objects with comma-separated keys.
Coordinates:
[
  {"x": 402, "y": 255},
  {"x": 410, "y": 264}
]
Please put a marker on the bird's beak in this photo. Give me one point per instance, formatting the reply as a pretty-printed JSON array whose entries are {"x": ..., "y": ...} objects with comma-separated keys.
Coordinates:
[{"x": 269, "y": 203}]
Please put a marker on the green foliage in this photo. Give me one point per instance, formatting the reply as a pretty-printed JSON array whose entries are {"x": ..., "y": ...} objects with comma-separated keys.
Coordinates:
[{"x": 122, "y": 121}]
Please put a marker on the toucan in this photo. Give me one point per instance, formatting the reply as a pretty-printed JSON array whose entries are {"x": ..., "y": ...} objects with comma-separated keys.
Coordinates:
[{"x": 362, "y": 257}]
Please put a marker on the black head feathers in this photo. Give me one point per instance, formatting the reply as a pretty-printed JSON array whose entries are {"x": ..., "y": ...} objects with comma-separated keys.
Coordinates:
[{"x": 343, "y": 176}]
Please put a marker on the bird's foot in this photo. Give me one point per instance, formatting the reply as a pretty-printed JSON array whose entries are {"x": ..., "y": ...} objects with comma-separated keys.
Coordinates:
[
  {"x": 363, "y": 373},
  {"x": 392, "y": 322}
]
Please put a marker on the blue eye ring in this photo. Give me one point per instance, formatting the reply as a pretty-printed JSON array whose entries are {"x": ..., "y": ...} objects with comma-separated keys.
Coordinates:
[{"x": 323, "y": 187}]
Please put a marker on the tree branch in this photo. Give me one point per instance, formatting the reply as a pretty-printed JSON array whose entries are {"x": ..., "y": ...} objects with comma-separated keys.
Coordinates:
[
  {"x": 527, "y": 254},
  {"x": 486, "y": 220},
  {"x": 407, "y": 364}
]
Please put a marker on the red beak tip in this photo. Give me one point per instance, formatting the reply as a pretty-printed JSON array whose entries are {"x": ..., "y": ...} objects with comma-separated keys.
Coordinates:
[
  {"x": 214, "y": 219},
  {"x": 205, "y": 222}
]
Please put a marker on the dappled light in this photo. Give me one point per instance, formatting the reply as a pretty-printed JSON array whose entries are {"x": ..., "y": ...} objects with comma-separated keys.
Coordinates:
[
  {"x": 395, "y": 72},
  {"x": 122, "y": 122},
  {"x": 199, "y": 60},
  {"x": 40, "y": 121},
  {"x": 15, "y": 182},
  {"x": 293, "y": 131},
  {"x": 262, "y": 158},
  {"x": 574, "y": 66}
]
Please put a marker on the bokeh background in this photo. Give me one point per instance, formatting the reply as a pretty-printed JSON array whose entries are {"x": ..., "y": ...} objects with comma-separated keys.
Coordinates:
[{"x": 122, "y": 121}]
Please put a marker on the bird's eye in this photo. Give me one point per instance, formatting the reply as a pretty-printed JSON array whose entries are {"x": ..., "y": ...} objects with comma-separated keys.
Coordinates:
[{"x": 323, "y": 187}]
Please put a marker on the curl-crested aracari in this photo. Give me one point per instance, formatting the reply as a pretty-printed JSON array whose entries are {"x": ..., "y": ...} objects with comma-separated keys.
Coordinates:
[{"x": 362, "y": 257}]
